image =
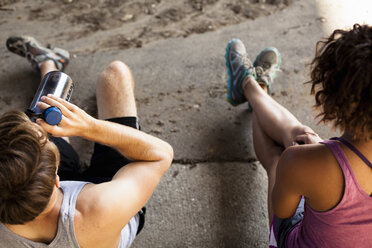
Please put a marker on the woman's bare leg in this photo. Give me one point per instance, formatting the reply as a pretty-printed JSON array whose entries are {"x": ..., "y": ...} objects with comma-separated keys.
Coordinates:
[
  {"x": 275, "y": 120},
  {"x": 274, "y": 129},
  {"x": 268, "y": 157},
  {"x": 268, "y": 153}
]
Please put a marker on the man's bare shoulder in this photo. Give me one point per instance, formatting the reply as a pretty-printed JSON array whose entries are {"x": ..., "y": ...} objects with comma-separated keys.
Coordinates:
[
  {"x": 92, "y": 229},
  {"x": 90, "y": 202}
]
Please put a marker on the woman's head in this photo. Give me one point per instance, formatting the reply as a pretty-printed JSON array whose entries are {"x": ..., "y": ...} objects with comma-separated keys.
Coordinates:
[
  {"x": 341, "y": 78},
  {"x": 28, "y": 163}
]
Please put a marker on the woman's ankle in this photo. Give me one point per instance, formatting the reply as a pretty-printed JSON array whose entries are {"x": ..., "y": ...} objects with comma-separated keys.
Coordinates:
[{"x": 250, "y": 81}]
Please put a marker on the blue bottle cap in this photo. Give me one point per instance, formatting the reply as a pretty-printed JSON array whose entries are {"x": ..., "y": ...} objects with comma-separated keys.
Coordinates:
[{"x": 52, "y": 115}]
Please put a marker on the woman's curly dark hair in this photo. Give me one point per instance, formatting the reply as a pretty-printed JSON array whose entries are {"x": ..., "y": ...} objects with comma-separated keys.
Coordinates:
[{"x": 341, "y": 78}]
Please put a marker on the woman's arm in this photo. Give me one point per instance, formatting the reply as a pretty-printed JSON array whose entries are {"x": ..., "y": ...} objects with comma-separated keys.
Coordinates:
[{"x": 287, "y": 189}]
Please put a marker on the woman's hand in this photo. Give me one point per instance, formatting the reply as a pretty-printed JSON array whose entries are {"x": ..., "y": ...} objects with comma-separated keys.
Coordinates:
[
  {"x": 307, "y": 138},
  {"x": 75, "y": 121}
]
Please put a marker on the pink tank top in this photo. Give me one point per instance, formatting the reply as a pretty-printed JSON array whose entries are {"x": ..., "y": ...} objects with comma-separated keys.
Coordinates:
[{"x": 349, "y": 224}]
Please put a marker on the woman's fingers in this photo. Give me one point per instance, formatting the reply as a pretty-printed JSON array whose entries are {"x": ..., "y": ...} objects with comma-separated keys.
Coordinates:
[
  {"x": 307, "y": 138},
  {"x": 302, "y": 139}
]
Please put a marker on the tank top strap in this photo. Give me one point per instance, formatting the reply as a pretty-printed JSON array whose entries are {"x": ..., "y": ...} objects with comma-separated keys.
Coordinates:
[
  {"x": 340, "y": 156},
  {"x": 353, "y": 148}
]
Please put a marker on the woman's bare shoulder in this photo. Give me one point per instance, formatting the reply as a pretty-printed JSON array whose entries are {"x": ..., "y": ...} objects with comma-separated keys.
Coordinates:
[
  {"x": 316, "y": 169},
  {"x": 303, "y": 155},
  {"x": 306, "y": 162}
]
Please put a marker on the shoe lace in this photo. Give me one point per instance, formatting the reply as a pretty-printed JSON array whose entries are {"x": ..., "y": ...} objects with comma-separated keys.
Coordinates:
[
  {"x": 261, "y": 71},
  {"x": 246, "y": 62},
  {"x": 263, "y": 75}
]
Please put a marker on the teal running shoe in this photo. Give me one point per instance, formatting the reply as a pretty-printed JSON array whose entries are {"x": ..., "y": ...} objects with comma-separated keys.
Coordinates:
[
  {"x": 238, "y": 67},
  {"x": 267, "y": 65}
]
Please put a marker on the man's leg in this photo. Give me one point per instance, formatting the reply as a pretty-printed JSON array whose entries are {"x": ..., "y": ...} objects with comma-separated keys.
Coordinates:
[
  {"x": 47, "y": 66},
  {"x": 116, "y": 103},
  {"x": 46, "y": 59},
  {"x": 69, "y": 167},
  {"x": 115, "y": 92},
  {"x": 36, "y": 53}
]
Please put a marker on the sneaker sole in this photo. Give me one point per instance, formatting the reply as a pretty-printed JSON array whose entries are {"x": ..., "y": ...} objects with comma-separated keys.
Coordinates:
[
  {"x": 229, "y": 99},
  {"x": 17, "y": 44}
]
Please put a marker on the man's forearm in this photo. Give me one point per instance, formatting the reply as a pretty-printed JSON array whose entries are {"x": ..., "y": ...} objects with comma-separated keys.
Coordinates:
[{"x": 132, "y": 143}]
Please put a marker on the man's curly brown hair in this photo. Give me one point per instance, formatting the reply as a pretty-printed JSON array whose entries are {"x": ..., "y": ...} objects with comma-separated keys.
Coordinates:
[{"x": 341, "y": 78}]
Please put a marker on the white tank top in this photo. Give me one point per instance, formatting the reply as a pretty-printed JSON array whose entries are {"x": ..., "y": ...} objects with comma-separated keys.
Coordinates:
[{"x": 65, "y": 237}]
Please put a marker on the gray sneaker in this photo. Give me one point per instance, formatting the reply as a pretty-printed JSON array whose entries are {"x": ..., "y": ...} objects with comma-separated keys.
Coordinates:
[
  {"x": 267, "y": 65},
  {"x": 30, "y": 48},
  {"x": 238, "y": 67}
]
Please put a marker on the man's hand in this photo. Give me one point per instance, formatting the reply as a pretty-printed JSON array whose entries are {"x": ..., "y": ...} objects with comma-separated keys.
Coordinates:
[{"x": 75, "y": 121}]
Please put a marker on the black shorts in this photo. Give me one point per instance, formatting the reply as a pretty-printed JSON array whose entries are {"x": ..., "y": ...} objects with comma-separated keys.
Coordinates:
[
  {"x": 104, "y": 163},
  {"x": 280, "y": 228}
]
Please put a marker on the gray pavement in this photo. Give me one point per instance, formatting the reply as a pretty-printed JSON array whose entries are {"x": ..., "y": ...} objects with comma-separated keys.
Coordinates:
[
  {"x": 208, "y": 205},
  {"x": 214, "y": 195}
]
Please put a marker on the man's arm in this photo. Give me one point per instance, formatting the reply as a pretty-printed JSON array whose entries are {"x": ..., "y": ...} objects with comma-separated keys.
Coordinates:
[{"x": 114, "y": 203}]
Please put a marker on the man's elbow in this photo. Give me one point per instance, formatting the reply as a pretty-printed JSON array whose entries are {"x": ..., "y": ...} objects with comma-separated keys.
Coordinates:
[
  {"x": 170, "y": 154},
  {"x": 167, "y": 156}
]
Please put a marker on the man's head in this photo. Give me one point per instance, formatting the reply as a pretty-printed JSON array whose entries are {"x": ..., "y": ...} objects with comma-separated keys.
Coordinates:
[
  {"x": 341, "y": 80},
  {"x": 28, "y": 164}
]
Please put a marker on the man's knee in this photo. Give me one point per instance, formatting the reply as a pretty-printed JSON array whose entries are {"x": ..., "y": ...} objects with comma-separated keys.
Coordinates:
[
  {"x": 118, "y": 67},
  {"x": 116, "y": 72}
]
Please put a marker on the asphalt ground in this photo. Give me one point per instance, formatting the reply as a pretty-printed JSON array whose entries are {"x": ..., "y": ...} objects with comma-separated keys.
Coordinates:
[{"x": 214, "y": 195}]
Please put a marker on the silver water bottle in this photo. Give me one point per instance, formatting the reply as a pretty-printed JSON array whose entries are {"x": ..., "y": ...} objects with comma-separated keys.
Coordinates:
[{"x": 56, "y": 83}]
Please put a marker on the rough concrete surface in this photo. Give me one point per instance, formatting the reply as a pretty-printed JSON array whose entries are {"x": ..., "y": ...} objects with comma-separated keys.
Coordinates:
[
  {"x": 215, "y": 193},
  {"x": 208, "y": 205}
]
